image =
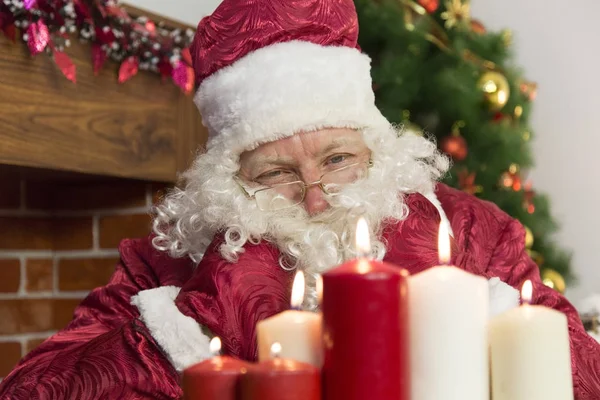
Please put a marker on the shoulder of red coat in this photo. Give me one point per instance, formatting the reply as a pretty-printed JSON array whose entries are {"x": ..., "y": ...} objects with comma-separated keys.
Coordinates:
[{"x": 140, "y": 257}]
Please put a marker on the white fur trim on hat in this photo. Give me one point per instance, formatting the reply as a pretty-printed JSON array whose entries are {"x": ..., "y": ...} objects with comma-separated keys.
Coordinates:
[
  {"x": 503, "y": 297},
  {"x": 286, "y": 88},
  {"x": 180, "y": 336}
]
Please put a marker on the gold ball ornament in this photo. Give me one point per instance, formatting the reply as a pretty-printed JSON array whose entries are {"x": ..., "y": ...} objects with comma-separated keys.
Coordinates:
[
  {"x": 554, "y": 280},
  {"x": 495, "y": 89},
  {"x": 528, "y": 238}
]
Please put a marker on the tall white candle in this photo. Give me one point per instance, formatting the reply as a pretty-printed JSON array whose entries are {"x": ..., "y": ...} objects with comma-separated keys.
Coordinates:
[
  {"x": 298, "y": 332},
  {"x": 530, "y": 353},
  {"x": 448, "y": 310}
]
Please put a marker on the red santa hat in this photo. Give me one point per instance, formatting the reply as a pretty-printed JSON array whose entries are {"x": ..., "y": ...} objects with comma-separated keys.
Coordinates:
[{"x": 268, "y": 69}]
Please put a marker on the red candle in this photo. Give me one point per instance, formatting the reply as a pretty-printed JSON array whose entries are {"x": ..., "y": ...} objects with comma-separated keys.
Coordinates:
[
  {"x": 366, "y": 335},
  {"x": 217, "y": 378},
  {"x": 281, "y": 379}
]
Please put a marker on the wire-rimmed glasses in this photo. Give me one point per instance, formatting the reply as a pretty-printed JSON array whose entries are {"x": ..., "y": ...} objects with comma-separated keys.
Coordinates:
[{"x": 289, "y": 194}]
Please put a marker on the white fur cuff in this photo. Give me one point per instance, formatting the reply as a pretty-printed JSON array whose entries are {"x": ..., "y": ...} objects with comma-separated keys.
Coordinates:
[
  {"x": 180, "y": 336},
  {"x": 503, "y": 297}
]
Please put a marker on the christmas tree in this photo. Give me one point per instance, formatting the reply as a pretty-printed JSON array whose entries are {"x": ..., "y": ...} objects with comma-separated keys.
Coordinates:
[{"x": 438, "y": 71}]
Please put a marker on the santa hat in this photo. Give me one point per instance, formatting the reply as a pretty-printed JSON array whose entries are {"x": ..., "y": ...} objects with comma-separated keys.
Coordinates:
[{"x": 268, "y": 69}]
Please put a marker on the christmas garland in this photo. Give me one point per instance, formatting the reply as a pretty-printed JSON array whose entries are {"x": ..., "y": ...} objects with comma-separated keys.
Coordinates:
[{"x": 135, "y": 43}]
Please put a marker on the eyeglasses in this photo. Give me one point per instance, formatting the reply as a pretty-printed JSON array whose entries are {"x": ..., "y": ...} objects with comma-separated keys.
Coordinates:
[{"x": 290, "y": 194}]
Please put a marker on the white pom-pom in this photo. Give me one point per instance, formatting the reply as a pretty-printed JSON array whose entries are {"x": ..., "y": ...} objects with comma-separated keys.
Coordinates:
[{"x": 503, "y": 297}]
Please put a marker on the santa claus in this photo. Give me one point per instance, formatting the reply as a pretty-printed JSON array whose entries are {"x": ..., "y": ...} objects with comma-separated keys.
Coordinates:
[{"x": 297, "y": 150}]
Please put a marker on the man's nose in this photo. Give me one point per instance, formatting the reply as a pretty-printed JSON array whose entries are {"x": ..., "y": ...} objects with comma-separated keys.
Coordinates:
[{"x": 314, "y": 200}]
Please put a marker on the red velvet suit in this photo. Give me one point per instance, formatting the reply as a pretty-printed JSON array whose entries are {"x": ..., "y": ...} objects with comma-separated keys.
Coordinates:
[{"x": 106, "y": 352}]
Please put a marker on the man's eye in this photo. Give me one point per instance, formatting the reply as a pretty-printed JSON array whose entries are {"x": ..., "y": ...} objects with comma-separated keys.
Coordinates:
[
  {"x": 270, "y": 174},
  {"x": 338, "y": 158},
  {"x": 275, "y": 176}
]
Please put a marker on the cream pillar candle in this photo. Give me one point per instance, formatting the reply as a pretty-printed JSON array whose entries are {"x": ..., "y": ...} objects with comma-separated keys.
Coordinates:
[
  {"x": 448, "y": 310},
  {"x": 530, "y": 353},
  {"x": 298, "y": 332}
]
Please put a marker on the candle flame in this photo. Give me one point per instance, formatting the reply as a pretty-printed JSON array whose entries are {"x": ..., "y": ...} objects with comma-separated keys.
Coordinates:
[
  {"x": 444, "y": 243},
  {"x": 319, "y": 288},
  {"x": 298, "y": 290},
  {"x": 215, "y": 346},
  {"x": 363, "y": 242},
  {"x": 527, "y": 292},
  {"x": 275, "y": 350}
]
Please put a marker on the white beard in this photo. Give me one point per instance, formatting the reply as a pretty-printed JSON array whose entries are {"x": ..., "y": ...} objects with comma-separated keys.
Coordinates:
[{"x": 212, "y": 202}]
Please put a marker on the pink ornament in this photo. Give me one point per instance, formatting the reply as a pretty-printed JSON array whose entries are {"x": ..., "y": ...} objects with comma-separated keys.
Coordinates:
[
  {"x": 151, "y": 28},
  {"x": 183, "y": 76},
  {"x": 66, "y": 65},
  {"x": 38, "y": 37},
  {"x": 29, "y": 3},
  {"x": 128, "y": 69}
]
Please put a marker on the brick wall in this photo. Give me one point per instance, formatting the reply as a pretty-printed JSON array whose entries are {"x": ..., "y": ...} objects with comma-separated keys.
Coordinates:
[{"x": 58, "y": 240}]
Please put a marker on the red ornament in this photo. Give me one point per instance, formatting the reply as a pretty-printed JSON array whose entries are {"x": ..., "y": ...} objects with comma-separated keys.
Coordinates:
[
  {"x": 466, "y": 181},
  {"x": 366, "y": 293},
  {"x": 478, "y": 27},
  {"x": 455, "y": 146},
  {"x": 511, "y": 179},
  {"x": 38, "y": 37},
  {"x": 528, "y": 195},
  {"x": 128, "y": 69},
  {"x": 66, "y": 65},
  {"x": 499, "y": 117},
  {"x": 529, "y": 89},
  {"x": 98, "y": 58},
  {"x": 429, "y": 5}
]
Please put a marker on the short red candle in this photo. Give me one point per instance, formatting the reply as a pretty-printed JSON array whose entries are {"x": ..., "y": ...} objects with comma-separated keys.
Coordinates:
[
  {"x": 281, "y": 379},
  {"x": 217, "y": 378},
  {"x": 366, "y": 335}
]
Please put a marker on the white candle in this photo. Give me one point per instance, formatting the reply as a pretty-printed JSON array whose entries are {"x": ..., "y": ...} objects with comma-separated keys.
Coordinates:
[
  {"x": 530, "y": 353},
  {"x": 448, "y": 309},
  {"x": 298, "y": 332}
]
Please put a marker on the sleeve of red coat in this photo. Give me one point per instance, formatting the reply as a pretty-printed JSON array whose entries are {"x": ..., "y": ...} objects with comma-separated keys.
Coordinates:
[
  {"x": 230, "y": 298},
  {"x": 512, "y": 264},
  {"x": 106, "y": 351}
]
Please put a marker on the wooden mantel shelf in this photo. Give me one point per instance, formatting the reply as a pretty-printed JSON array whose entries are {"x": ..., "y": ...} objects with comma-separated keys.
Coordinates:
[{"x": 143, "y": 129}]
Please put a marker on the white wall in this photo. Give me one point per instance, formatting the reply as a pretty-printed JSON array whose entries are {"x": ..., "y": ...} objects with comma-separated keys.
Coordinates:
[
  {"x": 557, "y": 44},
  {"x": 186, "y": 11}
]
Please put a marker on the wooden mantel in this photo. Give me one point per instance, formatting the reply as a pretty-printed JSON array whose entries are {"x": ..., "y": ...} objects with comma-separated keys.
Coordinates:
[{"x": 143, "y": 129}]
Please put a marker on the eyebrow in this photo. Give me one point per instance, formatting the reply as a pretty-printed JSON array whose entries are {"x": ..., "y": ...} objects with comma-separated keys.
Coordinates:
[
  {"x": 289, "y": 161},
  {"x": 337, "y": 143}
]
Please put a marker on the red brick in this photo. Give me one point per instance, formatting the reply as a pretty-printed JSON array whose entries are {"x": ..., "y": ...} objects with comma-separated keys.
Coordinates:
[
  {"x": 25, "y": 315},
  {"x": 117, "y": 227},
  {"x": 85, "y": 195},
  {"x": 72, "y": 233},
  {"x": 11, "y": 193},
  {"x": 63, "y": 312},
  {"x": 11, "y": 354},
  {"x": 35, "y": 315},
  {"x": 32, "y": 344},
  {"x": 10, "y": 276},
  {"x": 86, "y": 273},
  {"x": 20, "y": 233},
  {"x": 39, "y": 275}
]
